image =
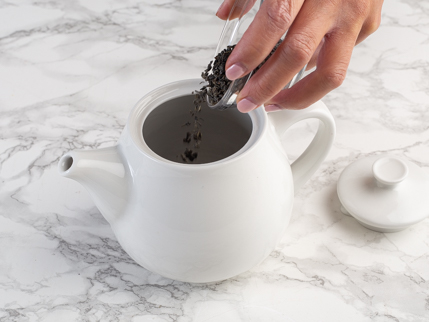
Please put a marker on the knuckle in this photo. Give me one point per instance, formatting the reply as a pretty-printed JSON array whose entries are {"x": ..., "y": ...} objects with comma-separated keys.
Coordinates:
[
  {"x": 258, "y": 90},
  {"x": 263, "y": 89},
  {"x": 279, "y": 15},
  {"x": 331, "y": 3},
  {"x": 371, "y": 25},
  {"x": 334, "y": 77},
  {"x": 299, "y": 48},
  {"x": 360, "y": 8}
]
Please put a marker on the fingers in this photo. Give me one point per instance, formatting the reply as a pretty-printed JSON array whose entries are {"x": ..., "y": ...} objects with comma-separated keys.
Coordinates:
[
  {"x": 224, "y": 9},
  {"x": 226, "y": 6},
  {"x": 331, "y": 71},
  {"x": 321, "y": 33},
  {"x": 372, "y": 22},
  {"x": 269, "y": 25},
  {"x": 302, "y": 40}
]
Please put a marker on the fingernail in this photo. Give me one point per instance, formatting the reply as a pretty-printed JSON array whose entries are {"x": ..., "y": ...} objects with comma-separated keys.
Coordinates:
[
  {"x": 220, "y": 8},
  {"x": 235, "y": 71},
  {"x": 246, "y": 105},
  {"x": 272, "y": 108}
]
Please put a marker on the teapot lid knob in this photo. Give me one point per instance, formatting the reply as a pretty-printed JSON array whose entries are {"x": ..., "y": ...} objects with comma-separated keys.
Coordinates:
[{"x": 389, "y": 171}]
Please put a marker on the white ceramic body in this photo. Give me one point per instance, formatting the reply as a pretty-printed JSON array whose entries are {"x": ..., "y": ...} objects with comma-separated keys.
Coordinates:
[{"x": 199, "y": 223}]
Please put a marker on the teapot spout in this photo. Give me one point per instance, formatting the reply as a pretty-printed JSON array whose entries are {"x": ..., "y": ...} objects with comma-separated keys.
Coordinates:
[{"x": 103, "y": 174}]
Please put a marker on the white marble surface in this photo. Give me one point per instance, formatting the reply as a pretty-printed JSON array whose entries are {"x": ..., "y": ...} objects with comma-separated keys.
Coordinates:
[{"x": 70, "y": 71}]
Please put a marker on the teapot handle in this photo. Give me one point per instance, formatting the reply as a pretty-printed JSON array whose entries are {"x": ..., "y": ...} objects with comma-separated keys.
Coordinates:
[{"x": 309, "y": 161}]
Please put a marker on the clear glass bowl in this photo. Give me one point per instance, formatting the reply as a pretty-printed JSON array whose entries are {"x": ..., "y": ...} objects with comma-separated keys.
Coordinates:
[{"x": 239, "y": 19}]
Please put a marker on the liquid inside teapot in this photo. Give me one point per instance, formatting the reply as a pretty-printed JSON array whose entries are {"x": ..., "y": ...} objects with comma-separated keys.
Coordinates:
[{"x": 223, "y": 132}]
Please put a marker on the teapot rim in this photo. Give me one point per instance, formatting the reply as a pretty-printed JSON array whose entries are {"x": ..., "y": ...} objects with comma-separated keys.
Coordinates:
[{"x": 171, "y": 90}]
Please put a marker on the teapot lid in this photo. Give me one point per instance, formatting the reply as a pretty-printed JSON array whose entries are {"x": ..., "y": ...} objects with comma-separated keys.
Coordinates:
[{"x": 384, "y": 193}]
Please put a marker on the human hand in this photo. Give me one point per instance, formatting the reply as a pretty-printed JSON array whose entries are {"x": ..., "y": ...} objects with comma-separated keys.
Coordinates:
[{"x": 321, "y": 33}]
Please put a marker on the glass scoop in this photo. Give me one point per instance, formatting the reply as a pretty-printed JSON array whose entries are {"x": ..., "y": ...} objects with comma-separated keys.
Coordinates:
[{"x": 237, "y": 23}]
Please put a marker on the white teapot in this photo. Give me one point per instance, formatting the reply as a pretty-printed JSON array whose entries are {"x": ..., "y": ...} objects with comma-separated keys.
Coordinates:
[{"x": 199, "y": 222}]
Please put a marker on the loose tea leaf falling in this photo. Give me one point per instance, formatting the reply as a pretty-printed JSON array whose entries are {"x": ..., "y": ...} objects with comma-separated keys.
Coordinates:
[
  {"x": 196, "y": 136},
  {"x": 216, "y": 88}
]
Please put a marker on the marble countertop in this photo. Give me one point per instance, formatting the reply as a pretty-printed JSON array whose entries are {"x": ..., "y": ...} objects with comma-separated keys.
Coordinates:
[{"x": 70, "y": 72}]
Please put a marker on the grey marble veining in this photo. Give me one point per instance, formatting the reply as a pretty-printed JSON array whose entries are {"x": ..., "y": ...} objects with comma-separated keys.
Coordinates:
[{"x": 70, "y": 72}]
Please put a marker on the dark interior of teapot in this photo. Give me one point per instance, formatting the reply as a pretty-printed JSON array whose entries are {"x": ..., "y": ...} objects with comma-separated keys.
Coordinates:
[{"x": 177, "y": 132}]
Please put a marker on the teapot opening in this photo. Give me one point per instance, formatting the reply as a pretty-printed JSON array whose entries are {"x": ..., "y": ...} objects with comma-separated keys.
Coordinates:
[{"x": 169, "y": 131}]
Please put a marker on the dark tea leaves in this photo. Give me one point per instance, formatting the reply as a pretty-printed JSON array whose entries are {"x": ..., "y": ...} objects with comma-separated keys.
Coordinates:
[
  {"x": 216, "y": 88},
  {"x": 187, "y": 139},
  {"x": 214, "y": 75}
]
